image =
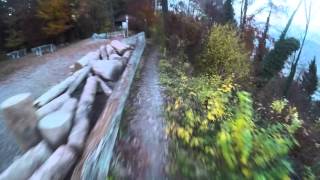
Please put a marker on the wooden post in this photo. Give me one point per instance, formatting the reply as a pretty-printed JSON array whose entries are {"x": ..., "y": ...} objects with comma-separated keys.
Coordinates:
[{"x": 21, "y": 118}]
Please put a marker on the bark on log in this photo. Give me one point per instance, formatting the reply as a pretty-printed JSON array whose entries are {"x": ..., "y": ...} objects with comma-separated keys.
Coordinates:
[
  {"x": 53, "y": 105},
  {"x": 80, "y": 130},
  {"x": 94, "y": 163},
  {"x": 55, "y": 91},
  {"x": 115, "y": 57},
  {"x": 106, "y": 89},
  {"x": 57, "y": 166},
  {"x": 82, "y": 75},
  {"x": 87, "y": 98},
  {"x": 55, "y": 127},
  {"x": 21, "y": 118},
  {"x": 85, "y": 60},
  {"x": 69, "y": 106},
  {"x": 79, "y": 134},
  {"x": 103, "y": 52},
  {"x": 110, "y": 50},
  {"x": 109, "y": 70},
  {"x": 127, "y": 54},
  {"x": 119, "y": 46},
  {"x": 28, "y": 163}
]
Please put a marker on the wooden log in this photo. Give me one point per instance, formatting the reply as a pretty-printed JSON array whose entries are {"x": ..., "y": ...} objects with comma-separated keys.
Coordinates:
[
  {"x": 103, "y": 52},
  {"x": 109, "y": 70},
  {"x": 78, "y": 134},
  {"x": 85, "y": 60},
  {"x": 54, "y": 91},
  {"x": 106, "y": 89},
  {"x": 76, "y": 83},
  {"x": 80, "y": 130},
  {"x": 53, "y": 105},
  {"x": 110, "y": 50},
  {"x": 87, "y": 98},
  {"x": 57, "y": 166},
  {"x": 95, "y": 160},
  {"x": 21, "y": 118},
  {"x": 28, "y": 163},
  {"x": 55, "y": 127},
  {"x": 119, "y": 46},
  {"x": 115, "y": 56},
  {"x": 69, "y": 106},
  {"x": 127, "y": 54}
]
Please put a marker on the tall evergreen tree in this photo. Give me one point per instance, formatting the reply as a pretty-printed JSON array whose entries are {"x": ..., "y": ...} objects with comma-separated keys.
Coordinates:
[
  {"x": 275, "y": 60},
  {"x": 228, "y": 12},
  {"x": 284, "y": 47},
  {"x": 310, "y": 79}
]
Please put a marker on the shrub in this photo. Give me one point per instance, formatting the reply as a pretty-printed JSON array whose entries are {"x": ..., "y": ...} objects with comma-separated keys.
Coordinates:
[
  {"x": 184, "y": 33},
  {"x": 224, "y": 54},
  {"x": 215, "y": 134}
]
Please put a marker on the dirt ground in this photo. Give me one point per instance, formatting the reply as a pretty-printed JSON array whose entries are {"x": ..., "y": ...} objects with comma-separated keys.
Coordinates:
[
  {"x": 141, "y": 153},
  {"x": 36, "y": 75}
]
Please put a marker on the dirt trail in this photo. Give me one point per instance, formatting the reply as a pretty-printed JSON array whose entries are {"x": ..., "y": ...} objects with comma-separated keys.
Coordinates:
[
  {"x": 35, "y": 75},
  {"x": 145, "y": 147}
]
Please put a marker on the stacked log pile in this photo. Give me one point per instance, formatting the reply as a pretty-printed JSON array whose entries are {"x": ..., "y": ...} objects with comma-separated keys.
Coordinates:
[{"x": 53, "y": 129}]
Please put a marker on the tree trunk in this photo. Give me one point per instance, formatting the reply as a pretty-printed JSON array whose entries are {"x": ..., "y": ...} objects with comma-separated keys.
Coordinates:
[
  {"x": 53, "y": 105},
  {"x": 80, "y": 130},
  {"x": 21, "y": 118},
  {"x": 82, "y": 75},
  {"x": 55, "y": 127},
  {"x": 57, "y": 166},
  {"x": 27, "y": 164},
  {"x": 87, "y": 98},
  {"x": 85, "y": 60}
]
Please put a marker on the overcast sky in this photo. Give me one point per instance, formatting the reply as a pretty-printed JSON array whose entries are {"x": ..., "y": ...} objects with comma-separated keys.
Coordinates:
[{"x": 280, "y": 19}]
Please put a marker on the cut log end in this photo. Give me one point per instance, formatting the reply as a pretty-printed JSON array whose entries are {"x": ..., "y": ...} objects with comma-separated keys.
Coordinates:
[{"x": 55, "y": 127}]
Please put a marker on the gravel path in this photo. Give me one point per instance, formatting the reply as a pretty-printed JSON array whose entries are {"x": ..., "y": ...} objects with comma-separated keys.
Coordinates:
[
  {"x": 35, "y": 75},
  {"x": 145, "y": 147}
]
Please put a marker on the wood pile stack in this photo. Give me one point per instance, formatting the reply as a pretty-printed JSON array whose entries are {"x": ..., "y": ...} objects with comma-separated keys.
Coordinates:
[{"x": 53, "y": 129}]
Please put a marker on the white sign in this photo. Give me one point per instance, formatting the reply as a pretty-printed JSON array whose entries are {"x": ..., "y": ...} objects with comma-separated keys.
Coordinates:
[{"x": 124, "y": 25}]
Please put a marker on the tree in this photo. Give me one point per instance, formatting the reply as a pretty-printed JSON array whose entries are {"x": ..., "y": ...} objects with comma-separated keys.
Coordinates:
[
  {"x": 262, "y": 41},
  {"x": 224, "y": 54},
  {"x": 56, "y": 15},
  {"x": 310, "y": 79},
  {"x": 164, "y": 4},
  {"x": 295, "y": 62},
  {"x": 286, "y": 29},
  {"x": 228, "y": 12},
  {"x": 212, "y": 9},
  {"x": 243, "y": 16},
  {"x": 15, "y": 39},
  {"x": 274, "y": 62}
]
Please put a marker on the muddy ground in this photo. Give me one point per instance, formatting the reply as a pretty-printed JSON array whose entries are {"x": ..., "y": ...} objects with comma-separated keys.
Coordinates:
[
  {"x": 141, "y": 149},
  {"x": 36, "y": 75}
]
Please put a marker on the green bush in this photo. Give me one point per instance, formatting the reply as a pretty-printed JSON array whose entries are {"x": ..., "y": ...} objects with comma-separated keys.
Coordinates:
[
  {"x": 224, "y": 54},
  {"x": 215, "y": 134}
]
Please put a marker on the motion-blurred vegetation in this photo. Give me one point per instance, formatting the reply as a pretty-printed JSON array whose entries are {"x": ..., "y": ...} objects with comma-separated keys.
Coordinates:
[{"x": 217, "y": 134}]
